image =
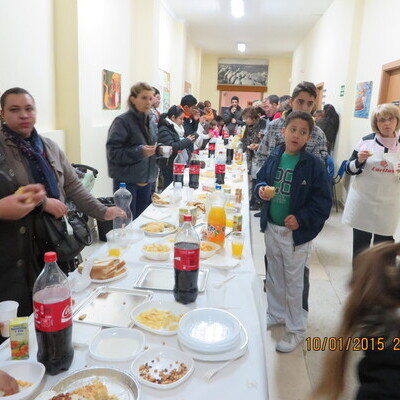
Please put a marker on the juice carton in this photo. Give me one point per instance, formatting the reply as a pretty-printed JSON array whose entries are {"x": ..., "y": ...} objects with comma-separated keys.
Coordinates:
[{"x": 19, "y": 338}]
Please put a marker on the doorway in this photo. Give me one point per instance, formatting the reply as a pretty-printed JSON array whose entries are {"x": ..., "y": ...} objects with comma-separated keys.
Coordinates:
[
  {"x": 320, "y": 96},
  {"x": 390, "y": 83}
]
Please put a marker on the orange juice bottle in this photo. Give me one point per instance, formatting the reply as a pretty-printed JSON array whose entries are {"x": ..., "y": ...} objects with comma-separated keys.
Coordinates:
[{"x": 216, "y": 220}]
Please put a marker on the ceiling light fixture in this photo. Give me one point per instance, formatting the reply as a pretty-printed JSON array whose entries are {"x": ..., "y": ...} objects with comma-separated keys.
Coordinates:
[
  {"x": 237, "y": 8},
  {"x": 241, "y": 47}
]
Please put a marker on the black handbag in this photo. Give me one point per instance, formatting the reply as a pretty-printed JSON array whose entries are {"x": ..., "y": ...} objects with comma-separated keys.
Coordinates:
[{"x": 66, "y": 236}]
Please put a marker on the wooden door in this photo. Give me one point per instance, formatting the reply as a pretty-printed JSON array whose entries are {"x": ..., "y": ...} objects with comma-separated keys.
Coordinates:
[
  {"x": 390, "y": 83},
  {"x": 320, "y": 95}
]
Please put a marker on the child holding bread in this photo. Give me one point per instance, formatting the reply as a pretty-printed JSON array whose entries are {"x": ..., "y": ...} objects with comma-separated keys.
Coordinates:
[{"x": 296, "y": 196}]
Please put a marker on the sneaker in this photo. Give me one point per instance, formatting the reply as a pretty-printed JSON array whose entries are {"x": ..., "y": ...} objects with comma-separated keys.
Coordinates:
[
  {"x": 289, "y": 342},
  {"x": 273, "y": 321}
]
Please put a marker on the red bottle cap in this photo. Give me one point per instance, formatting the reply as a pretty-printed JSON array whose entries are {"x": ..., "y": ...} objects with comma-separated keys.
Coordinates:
[
  {"x": 50, "y": 256},
  {"x": 187, "y": 218}
]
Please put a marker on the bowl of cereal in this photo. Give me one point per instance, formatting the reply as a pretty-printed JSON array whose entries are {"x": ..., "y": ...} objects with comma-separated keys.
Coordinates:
[
  {"x": 208, "y": 249},
  {"x": 157, "y": 251}
]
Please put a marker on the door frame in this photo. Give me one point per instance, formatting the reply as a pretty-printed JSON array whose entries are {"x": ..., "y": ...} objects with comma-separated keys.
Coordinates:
[{"x": 385, "y": 78}]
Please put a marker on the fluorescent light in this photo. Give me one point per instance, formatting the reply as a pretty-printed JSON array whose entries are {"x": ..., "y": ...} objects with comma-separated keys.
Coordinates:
[
  {"x": 237, "y": 8},
  {"x": 241, "y": 47}
]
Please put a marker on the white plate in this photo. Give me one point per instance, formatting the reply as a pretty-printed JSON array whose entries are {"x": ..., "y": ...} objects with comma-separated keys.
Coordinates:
[
  {"x": 173, "y": 307},
  {"x": 157, "y": 256},
  {"x": 167, "y": 231},
  {"x": 236, "y": 352},
  {"x": 209, "y": 330},
  {"x": 208, "y": 254},
  {"x": 28, "y": 371},
  {"x": 115, "y": 278},
  {"x": 162, "y": 358},
  {"x": 117, "y": 344}
]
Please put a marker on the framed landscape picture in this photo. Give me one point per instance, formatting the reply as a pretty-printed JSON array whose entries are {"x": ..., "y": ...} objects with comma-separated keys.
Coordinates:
[{"x": 242, "y": 72}]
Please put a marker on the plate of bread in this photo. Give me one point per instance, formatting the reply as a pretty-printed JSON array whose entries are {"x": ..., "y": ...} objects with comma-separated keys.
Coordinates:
[
  {"x": 158, "y": 228},
  {"x": 106, "y": 269},
  {"x": 160, "y": 200}
]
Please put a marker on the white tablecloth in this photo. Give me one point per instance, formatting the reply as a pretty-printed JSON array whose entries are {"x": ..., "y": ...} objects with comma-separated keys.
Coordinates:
[{"x": 245, "y": 378}]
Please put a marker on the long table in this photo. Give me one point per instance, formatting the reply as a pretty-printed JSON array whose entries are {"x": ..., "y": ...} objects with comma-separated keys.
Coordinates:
[{"x": 244, "y": 378}]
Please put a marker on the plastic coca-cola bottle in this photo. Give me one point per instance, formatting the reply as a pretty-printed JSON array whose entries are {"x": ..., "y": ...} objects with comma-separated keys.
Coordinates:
[
  {"x": 194, "y": 170},
  {"x": 211, "y": 148},
  {"x": 179, "y": 167},
  {"x": 225, "y": 134},
  {"x": 229, "y": 152},
  {"x": 220, "y": 168},
  {"x": 53, "y": 317},
  {"x": 186, "y": 262}
]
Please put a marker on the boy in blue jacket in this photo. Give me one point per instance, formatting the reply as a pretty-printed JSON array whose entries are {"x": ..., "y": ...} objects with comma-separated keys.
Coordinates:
[{"x": 297, "y": 200}]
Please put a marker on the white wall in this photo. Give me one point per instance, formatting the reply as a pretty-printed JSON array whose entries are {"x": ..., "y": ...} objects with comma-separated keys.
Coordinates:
[
  {"x": 105, "y": 42},
  {"x": 26, "y": 53}
]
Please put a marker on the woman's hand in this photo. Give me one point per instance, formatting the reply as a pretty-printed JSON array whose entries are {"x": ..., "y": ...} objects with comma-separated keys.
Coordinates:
[
  {"x": 16, "y": 206},
  {"x": 363, "y": 155},
  {"x": 55, "y": 207},
  {"x": 148, "y": 151},
  {"x": 291, "y": 222},
  {"x": 8, "y": 384},
  {"x": 113, "y": 212},
  {"x": 192, "y": 138},
  {"x": 253, "y": 146}
]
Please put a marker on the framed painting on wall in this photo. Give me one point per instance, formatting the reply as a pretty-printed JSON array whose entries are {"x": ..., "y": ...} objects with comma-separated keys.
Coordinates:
[
  {"x": 111, "y": 90},
  {"x": 363, "y": 99},
  {"x": 188, "y": 88},
  {"x": 242, "y": 72},
  {"x": 165, "y": 90}
]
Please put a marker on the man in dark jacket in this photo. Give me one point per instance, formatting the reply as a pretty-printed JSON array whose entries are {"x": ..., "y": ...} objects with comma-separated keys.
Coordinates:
[
  {"x": 232, "y": 116},
  {"x": 191, "y": 121}
]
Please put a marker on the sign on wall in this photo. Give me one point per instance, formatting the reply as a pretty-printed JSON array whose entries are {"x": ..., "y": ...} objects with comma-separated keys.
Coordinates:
[
  {"x": 165, "y": 90},
  {"x": 363, "y": 99},
  {"x": 111, "y": 90}
]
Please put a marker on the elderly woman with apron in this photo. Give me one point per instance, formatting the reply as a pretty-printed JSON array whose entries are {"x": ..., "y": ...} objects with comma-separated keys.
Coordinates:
[{"x": 372, "y": 206}]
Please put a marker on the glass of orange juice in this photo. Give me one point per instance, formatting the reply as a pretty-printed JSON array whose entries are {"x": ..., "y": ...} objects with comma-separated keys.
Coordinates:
[{"x": 237, "y": 241}]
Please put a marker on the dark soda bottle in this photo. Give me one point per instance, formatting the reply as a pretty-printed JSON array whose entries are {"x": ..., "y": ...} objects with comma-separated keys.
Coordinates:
[
  {"x": 220, "y": 168},
  {"x": 194, "y": 171},
  {"x": 225, "y": 134},
  {"x": 229, "y": 153},
  {"x": 186, "y": 262},
  {"x": 211, "y": 148},
  {"x": 179, "y": 168},
  {"x": 53, "y": 317}
]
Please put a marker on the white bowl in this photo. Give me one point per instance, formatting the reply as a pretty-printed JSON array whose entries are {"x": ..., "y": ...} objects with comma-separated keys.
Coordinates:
[
  {"x": 160, "y": 358},
  {"x": 157, "y": 255},
  {"x": 209, "y": 330},
  {"x": 173, "y": 307},
  {"x": 117, "y": 344},
  {"x": 28, "y": 371},
  {"x": 208, "y": 254}
]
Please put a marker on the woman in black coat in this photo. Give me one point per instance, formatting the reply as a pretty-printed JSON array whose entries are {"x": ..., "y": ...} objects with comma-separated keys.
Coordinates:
[
  {"x": 171, "y": 133},
  {"x": 329, "y": 123}
]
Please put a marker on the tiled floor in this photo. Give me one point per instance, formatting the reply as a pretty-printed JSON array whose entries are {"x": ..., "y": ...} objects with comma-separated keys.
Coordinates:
[{"x": 292, "y": 376}]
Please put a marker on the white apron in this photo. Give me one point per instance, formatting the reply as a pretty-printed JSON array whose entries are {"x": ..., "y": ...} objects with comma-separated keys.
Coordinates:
[{"x": 373, "y": 202}]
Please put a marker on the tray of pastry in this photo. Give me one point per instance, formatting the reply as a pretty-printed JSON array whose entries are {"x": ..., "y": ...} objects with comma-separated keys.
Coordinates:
[
  {"x": 110, "y": 306},
  {"x": 161, "y": 277}
]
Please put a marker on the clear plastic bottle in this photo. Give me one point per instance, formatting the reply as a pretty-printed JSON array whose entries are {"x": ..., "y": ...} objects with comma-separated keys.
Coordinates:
[
  {"x": 179, "y": 168},
  {"x": 216, "y": 219},
  {"x": 186, "y": 262},
  {"x": 53, "y": 317},
  {"x": 220, "y": 168},
  {"x": 122, "y": 199}
]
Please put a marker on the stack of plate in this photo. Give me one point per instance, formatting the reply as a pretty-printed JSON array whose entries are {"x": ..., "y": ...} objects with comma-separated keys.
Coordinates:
[{"x": 209, "y": 331}]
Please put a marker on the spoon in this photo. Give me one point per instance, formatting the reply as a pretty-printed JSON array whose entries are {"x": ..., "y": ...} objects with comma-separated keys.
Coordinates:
[{"x": 220, "y": 284}]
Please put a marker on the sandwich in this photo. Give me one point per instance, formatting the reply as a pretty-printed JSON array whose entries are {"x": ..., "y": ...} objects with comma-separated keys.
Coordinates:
[{"x": 106, "y": 268}]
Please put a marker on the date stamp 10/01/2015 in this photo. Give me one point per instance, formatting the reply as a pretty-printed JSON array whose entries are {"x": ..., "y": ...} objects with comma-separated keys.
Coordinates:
[{"x": 355, "y": 343}]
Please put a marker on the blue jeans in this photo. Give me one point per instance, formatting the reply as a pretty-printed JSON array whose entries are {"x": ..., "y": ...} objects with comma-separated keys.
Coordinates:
[{"x": 141, "y": 197}]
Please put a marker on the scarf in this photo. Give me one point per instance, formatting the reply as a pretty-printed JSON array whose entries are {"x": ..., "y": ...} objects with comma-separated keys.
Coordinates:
[
  {"x": 180, "y": 130},
  {"x": 392, "y": 143},
  {"x": 33, "y": 151},
  {"x": 187, "y": 116},
  {"x": 209, "y": 116}
]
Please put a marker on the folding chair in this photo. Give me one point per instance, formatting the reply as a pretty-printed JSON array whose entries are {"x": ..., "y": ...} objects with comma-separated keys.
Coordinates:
[{"x": 336, "y": 179}]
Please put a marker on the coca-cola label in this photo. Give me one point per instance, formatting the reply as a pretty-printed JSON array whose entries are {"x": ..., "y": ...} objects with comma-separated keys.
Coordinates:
[
  {"x": 53, "y": 317},
  {"x": 186, "y": 259},
  {"x": 179, "y": 168},
  {"x": 219, "y": 168},
  {"x": 194, "y": 169},
  {"x": 211, "y": 146},
  {"x": 226, "y": 134}
]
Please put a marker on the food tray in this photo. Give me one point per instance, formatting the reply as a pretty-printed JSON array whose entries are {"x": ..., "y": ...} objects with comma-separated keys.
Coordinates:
[
  {"x": 110, "y": 306},
  {"x": 159, "y": 277},
  {"x": 119, "y": 383}
]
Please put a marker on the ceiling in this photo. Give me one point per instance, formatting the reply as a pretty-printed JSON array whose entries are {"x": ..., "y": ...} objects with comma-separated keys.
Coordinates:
[{"x": 268, "y": 27}]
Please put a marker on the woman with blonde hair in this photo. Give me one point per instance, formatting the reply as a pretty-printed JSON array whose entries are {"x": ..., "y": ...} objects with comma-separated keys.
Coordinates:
[
  {"x": 372, "y": 206},
  {"x": 370, "y": 322}
]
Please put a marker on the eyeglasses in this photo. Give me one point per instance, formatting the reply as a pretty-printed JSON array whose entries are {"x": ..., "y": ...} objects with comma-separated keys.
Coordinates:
[{"x": 382, "y": 120}]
